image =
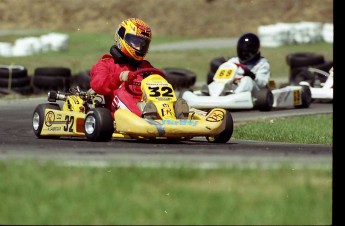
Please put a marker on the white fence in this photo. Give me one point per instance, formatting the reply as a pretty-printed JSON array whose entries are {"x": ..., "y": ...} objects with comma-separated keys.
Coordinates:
[
  {"x": 295, "y": 33},
  {"x": 33, "y": 45}
]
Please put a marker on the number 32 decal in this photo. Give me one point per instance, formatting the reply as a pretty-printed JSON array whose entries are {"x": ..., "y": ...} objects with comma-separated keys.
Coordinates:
[
  {"x": 69, "y": 123},
  {"x": 161, "y": 91}
]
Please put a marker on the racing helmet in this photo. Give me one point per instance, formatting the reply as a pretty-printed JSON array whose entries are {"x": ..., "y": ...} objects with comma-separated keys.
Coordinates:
[
  {"x": 133, "y": 38},
  {"x": 248, "y": 47}
]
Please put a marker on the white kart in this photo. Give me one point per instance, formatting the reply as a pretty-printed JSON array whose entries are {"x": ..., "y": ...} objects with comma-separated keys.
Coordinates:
[
  {"x": 220, "y": 93},
  {"x": 320, "y": 90}
]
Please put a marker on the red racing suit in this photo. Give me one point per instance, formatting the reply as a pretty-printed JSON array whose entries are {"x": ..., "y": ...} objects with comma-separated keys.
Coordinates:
[{"x": 105, "y": 80}]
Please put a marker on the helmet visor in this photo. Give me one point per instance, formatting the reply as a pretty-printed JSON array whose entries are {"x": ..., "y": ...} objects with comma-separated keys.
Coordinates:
[
  {"x": 245, "y": 55},
  {"x": 140, "y": 44}
]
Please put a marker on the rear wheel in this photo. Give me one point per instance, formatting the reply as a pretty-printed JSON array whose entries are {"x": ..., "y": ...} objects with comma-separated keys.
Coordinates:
[
  {"x": 38, "y": 118},
  {"x": 226, "y": 134},
  {"x": 99, "y": 125},
  {"x": 264, "y": 99},
  {"x": 306, "y": 97}
]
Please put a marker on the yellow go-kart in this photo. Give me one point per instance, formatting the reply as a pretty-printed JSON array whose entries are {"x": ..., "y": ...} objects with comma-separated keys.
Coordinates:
[{"x": 162, "y": 115}]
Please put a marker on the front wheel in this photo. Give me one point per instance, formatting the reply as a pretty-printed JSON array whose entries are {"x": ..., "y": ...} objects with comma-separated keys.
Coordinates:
[
  {"x": 226, "y": 134},
  {"x": 99, "y": 125},
  {"x": 38, "y": 118}
]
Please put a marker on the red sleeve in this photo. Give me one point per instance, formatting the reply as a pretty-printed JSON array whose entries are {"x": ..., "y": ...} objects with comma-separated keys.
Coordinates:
[
  {"x": 145, "y": 64},
  {"x": 105, "y": 75}
]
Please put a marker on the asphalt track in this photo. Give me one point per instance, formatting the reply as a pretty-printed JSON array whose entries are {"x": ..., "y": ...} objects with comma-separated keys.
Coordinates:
[{"x": 17, "y": 141}]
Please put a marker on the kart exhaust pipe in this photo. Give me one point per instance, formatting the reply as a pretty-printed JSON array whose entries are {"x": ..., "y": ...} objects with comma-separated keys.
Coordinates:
[{"x": 53, "y": 96}]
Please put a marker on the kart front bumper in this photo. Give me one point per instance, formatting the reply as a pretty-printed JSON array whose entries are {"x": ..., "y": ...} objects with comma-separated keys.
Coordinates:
[{"x": 130, "y": 124}]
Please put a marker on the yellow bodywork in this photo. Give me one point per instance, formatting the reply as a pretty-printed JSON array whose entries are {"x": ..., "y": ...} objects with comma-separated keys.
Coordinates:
[
  {"x": 63, "y": 123},
  {"x": 128, "y": 123}
]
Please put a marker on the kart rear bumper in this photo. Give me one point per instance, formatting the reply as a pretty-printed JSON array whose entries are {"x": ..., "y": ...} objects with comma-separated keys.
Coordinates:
[{"x": 321, "y": 93}]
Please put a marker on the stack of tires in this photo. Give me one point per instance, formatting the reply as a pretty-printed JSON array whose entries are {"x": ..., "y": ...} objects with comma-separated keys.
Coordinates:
[
  {"x": 15, "y": 79},
  {"x": 179, "y": 78},
  {"x": 81, "y": 79},
  {"x": 214, "y": 65},
  {"x": 51, "y": 78},
  {"x": 300, "y": 64}
]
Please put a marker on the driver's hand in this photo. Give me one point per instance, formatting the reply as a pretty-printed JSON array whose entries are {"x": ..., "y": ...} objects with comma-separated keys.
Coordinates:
[
  {"x": 127, "y": 76},
  {"x": 246, "y": 70},
  {"x": 90, "y": 92}
]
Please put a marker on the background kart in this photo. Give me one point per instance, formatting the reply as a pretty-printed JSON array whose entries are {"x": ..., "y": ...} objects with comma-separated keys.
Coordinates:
[
  {"x": 220, "y": 93},
  {"x": 159, "y": 115},
  {"x": 320, "y": 83}
]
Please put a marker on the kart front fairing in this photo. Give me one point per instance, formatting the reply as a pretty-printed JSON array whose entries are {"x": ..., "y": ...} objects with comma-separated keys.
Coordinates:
[
  {"x": 162, "y": 117},
  {"x": 195, "y": 125}
]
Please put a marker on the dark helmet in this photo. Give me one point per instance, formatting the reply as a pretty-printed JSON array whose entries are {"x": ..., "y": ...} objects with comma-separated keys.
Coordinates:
[{"x": 248, "y": 47}]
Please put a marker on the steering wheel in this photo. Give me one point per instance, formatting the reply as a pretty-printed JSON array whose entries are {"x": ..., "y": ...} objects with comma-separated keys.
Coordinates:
[{"x": 142, "y": 72}]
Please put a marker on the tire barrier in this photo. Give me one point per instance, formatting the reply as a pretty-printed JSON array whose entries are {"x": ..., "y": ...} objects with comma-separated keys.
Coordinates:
[
  {"x": 51, "y": 78},
  {"x": 14, "y": 79},
  {"x": 81, "y": 79},
  {"x": 179, "y": 78},
  {"x": 60, "y": 78}
]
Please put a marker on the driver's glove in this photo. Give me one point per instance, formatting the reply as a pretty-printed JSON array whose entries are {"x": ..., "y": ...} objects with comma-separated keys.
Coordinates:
[
  {"x": 90, "y": 92},
  {"x": 127, "y": 76},
  {"x": 250, "y": 74}
]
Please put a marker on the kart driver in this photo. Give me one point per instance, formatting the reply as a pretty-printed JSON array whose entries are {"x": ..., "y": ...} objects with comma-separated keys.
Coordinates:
[
  {"x": 132, "y": 40},
  {"x": 256, "y": 69}
]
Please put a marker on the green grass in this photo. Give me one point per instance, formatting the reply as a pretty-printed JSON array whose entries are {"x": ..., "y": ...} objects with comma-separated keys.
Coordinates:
[
  {"x": 60, "y": 194},
  {"x": 310, "y": 129}
]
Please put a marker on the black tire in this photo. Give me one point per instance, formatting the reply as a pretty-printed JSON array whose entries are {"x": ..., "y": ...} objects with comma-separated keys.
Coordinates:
[
  {"x": 45, "y": 83},
  {"x": 210, "y": 76},
  {"x": 15, "y": 82},
  {"x": 99, "y": 125},
  {"x": 226, "y": 134},
  {"x": 180, "y": 94},
  {"x": 82, "y": 79},
  {"x": 38, "y": 118},
  {"x": 16, "y": 72},
  {"x": 326, "y": 66},
  {"x": 302, "y": 74},
  {"x": 179, "y": 78},
  {"x": 215, "y": 63},
  {"x": 25, "y": 90},
  {"x": 306, "y": 97},
  {"x": 264, "y": 99},
  {"x": 302, "y": 59},
  {"x": 53, "y": 71}
]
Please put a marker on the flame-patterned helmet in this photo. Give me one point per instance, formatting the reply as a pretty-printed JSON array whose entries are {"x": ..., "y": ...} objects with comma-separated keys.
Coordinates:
[{"x": 133, "y": 38}]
